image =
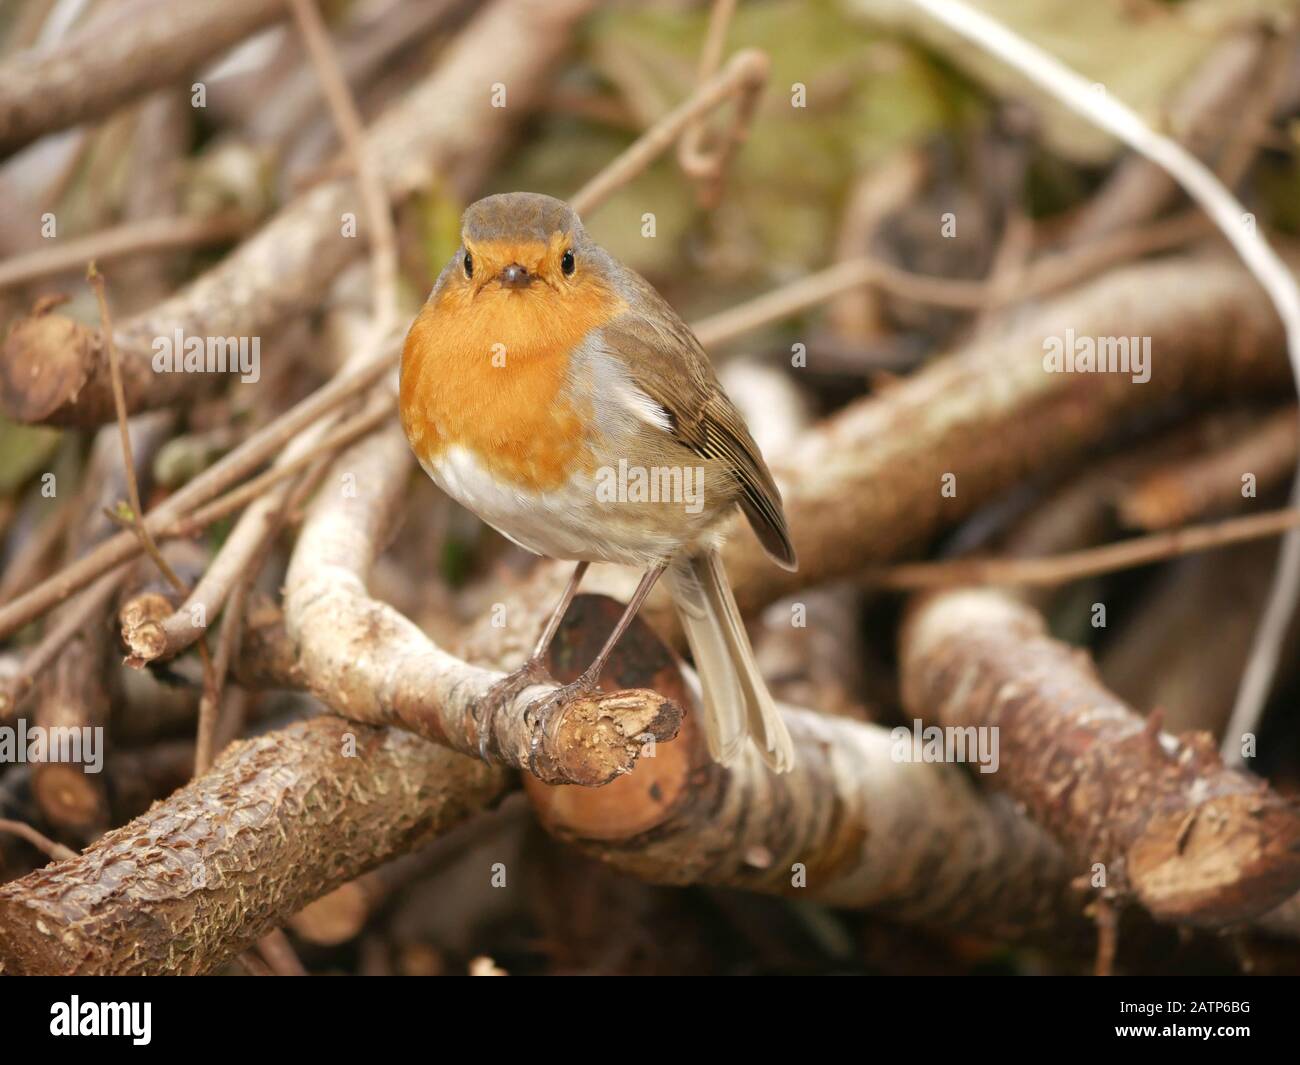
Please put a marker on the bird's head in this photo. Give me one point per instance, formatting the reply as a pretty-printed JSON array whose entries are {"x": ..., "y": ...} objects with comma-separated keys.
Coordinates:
[
  {"x": 526, "y": 278},
  {"x": 521, "y": 241}
]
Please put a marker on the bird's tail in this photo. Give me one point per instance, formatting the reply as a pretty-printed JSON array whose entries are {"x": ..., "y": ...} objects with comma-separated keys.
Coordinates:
[{"x": 737, "y": 703}]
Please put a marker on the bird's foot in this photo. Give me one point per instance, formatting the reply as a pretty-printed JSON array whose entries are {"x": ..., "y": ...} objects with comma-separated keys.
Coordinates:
[
  {"x": 501, "y": 695},
  {"x": 543, "y": 715}
]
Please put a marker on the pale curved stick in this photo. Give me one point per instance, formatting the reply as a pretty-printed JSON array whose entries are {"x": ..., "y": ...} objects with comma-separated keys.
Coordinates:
[{"x": 1229, "y": 215}]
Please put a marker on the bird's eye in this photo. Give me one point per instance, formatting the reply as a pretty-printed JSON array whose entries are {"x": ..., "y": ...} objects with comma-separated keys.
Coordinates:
[
  {"x": 567, "y": 264},
  {"x": 469, "y": 265}
]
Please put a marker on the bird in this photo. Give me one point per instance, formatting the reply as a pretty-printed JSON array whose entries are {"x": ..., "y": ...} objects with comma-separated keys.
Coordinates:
[{"x": 550, "y": 390}]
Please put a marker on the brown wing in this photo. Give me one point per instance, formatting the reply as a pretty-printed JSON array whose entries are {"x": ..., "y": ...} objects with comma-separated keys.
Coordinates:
[{"x": 703, "y": 417}]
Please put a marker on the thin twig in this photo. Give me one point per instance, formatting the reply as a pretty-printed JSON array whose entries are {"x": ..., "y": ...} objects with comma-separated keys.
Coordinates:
[
  {"x": 147, "y": 543},
  {"x": 1010, "y": 260},
  {"x": 709, "y": 167},
  {"x": 350, "y": 431},
  {"x": 745, "y": 73},
  {"x": 226, "y": 471},
  {"x": 91, "y": 602},
  {"x": 692, "y": 157},
  {"x": 826, "y": 284},
  {"x": 57, "y": 851},
  {"x": 1091, "y": 562},
  {"x": 96, "y": 280},
  {"x": 1207, "y": 484},
  {"x": 1107, "y": 919},
  {"x": 1051, "y": 273},
  {"x": 117, "y": 242},
  {"x": 23, "y": 568},
  {"x": 383, "y": 239},
  {"x": 231, "y": 631},
  {"x": 1250, "y": 128},
  {"x": 1042, "y": 277},
  {"x": 253, "y": 964},
  {"x": 210, "y": 700}
]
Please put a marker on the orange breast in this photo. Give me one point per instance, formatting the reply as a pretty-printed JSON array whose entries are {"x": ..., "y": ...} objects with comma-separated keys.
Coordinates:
[{"x": 487, "y": 372}]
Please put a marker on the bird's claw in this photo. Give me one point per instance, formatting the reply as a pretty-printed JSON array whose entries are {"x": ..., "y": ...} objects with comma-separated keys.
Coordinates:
[
  {"x": 500, "y": 696},
  {"x": 543, "y": 714}
]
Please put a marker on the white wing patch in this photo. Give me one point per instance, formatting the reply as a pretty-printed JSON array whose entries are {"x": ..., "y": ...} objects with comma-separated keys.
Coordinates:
[
  {"x": 619, "y": 402},
  {"x": 643, "y": 407}
]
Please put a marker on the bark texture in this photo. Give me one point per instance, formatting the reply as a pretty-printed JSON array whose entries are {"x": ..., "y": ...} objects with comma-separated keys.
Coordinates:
[
  {"x": 1194, "y": 842},
  {"x": 277, "y": 822},
  {"x": 850, "y": 826}
]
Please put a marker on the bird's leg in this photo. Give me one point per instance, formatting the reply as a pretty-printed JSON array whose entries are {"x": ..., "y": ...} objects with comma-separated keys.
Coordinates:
[
  {"x": 545, "y": 710},
  {"x": 591, "y": 676},
  {"x": 544, "y": 641},
  {"x": 533, "y": 671}
]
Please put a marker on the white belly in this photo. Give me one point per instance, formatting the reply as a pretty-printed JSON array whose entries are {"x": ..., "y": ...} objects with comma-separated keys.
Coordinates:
[{"x": 570, "y": 522}]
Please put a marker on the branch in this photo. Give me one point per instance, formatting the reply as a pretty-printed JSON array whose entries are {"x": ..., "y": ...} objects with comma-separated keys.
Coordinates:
[
  {"x": 364, "y": 659},
  {"x": 1087, "y": 562},
  {"x": 1191, "y": 840},
  {"x": 865, "y": 487},
  {"x": 136, "y": 47},
  {"x": 1211, "y": 483},
  {"x": 278, "y": 821},
  {"x": 913, "y": 840}
]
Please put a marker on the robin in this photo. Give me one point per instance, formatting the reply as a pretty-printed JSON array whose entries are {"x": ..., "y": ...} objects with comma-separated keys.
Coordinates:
[{"x": 553, "y": 392}]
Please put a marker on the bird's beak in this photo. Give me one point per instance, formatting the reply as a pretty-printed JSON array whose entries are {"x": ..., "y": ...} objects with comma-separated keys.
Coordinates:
[{"x": 515, "y": 276}]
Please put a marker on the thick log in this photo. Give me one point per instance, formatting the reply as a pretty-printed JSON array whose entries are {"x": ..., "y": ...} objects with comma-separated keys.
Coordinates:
[{"x": 277, "y": 822}]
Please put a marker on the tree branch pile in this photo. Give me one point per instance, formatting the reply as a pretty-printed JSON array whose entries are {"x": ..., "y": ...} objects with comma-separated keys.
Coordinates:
[
  {"x": 54, "y": 370},
  {"x": 288, "y": 640},
  {"x": 850, "y": 826}
]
